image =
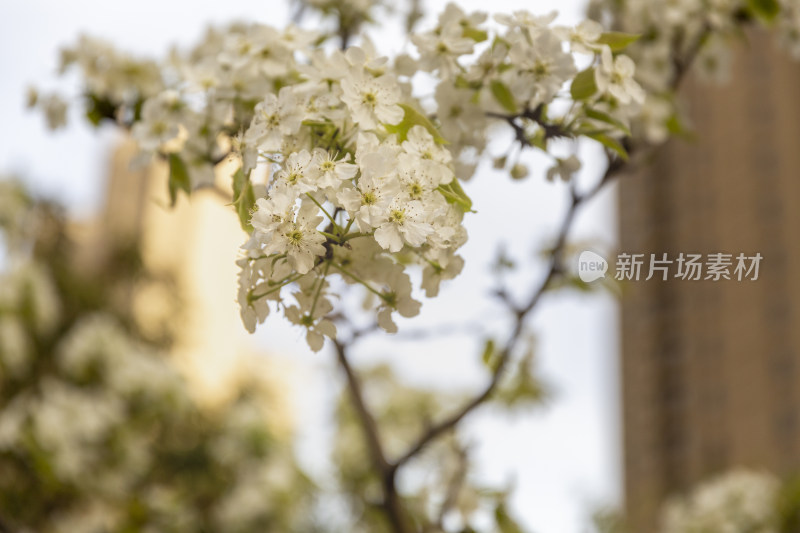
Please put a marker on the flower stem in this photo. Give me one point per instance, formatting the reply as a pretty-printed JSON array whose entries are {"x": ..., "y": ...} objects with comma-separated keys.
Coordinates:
[
  {"x": 323, "y": 210},
  {"x": 319, "y": 289},
  {"x": 357, "y": 279},
  {"x": 280, "y": 284}
]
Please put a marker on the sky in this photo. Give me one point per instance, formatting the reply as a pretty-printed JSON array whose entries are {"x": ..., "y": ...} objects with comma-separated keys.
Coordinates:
[{"x": 564, "y": 457}]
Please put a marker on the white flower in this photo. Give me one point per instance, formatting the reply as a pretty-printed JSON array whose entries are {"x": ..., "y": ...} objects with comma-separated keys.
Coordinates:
[
  {"x": 540, "y": 68},
  {"x": 275, "y": 117},
  {"x": 439, "y": 50},
  {"x": 404, "y": 223},
  {"x": 453, "y": 14},
  {"x": 420, "y": 143},
  {"x": 272, "y": 212},
  {"x": 160, "y": 121},
  {"x": 564, "y": 168},
  {"x": 437, "y": 271},
  {"x": 376, "y": 187},
  {"x": 614, "y": 76},
  {"x": 372, "y": 101},
  {"x": 325, "y": 171},
  {"x": 295, "y": 175},
  {"x": 55, "y": 111},
  {"x": 525, "y": 19},
  {"x": 299, "y": 240},
  {"x": 739, "y": 500},
  {"x": 582, "y": 37}
]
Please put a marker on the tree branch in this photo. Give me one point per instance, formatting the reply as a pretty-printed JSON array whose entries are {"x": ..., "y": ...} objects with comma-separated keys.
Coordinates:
[
  {"x": 616, "y": 166},
  {"x": 520, "y": 316},
  {"x": 391, "y": 504}
]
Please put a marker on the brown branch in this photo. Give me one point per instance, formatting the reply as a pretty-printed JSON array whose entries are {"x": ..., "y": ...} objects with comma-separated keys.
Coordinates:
[
  {"x": 615, "y": 167},
  {"x": 520, "y": 316},
  {"x": 551, "y": 130},
  {"x": 682, "y": 65},
  {"x": 391, "y": 504}
]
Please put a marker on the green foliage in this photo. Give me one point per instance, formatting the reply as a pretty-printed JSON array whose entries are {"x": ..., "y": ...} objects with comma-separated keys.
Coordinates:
[
  {"x": 788, "y": 506},
  {"x": 178, "y": 178},
  {"x": 505, "y": 523},
  {"x": 522, "y": 388},
  {"x": 766, "y": 10},
  {"x": 616, "y": 40},
  {"x": 584, "y": 86},
  {"x": 475, "y": 34},
  {"x": 608, "y": 119},
  {"x": 609, "y": 520},
  {"x": 489, "y": 355},
  {"x": 413, "y": 118},
  {"x": 609, "y": 142},
  {"x": 503, "y": 95},
  {"x": 454, "y": 194},
  {"x": 243, "y": 199}
]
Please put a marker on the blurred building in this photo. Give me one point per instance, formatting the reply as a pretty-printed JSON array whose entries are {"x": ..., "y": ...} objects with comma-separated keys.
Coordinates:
[
  {"x": 190, "y": 250},
  {"x": 711, "y": 370}
]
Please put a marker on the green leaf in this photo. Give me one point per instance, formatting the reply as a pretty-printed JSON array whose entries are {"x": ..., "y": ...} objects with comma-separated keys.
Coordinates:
[
  {"x": 609, "y": 142},
  {"x": 488, "y": 356},
  {"x": 766, "y": 10},
  {"x": 617, "y": 40},
  {"x": 413, "y": 118},
  {"x": 584, "y": 85},
  {"x": 98, "y": 109},
  {"x": 608, "y": 119},
  {"x": 522, "y": 389},
  {"x": 506, "y": 524},
  {"x": 503, "y": 96},
  {"x": 178, "y": 178},
  {"x": 243, "y": 199},
  {"x": 454, "y": 194},
  {"x": 677, "y": 128},
  {"x": 475, "y": 34}
]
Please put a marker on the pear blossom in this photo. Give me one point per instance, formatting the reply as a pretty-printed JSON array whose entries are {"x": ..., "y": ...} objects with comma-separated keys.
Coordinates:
[
  {"x": 299, "y": 240},
  {"x": 404, "y": 222},
  {"x": 326, "y": 171},
  {"x": 372, "y": 101},
  {"x": 440, "y": 50},
  {"x": 274, "y": 118},
  {"x": 564, "y": 168},
  {"x": 615, "y": 77}
]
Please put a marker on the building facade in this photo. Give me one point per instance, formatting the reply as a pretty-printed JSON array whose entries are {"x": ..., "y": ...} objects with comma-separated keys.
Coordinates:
[{"x": 711, "y": 369}]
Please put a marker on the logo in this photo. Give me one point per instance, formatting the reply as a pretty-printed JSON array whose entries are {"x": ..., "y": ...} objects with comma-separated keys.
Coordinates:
[{"x": 591, "y": 266}]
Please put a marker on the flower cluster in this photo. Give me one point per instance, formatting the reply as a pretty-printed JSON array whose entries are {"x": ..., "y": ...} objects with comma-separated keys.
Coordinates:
[
  {"x": 736, "y": 502},
  {"x": 695, "y": 29},
  {"x": 527, "y": 76},
  {"x": 349, "y": 208}
]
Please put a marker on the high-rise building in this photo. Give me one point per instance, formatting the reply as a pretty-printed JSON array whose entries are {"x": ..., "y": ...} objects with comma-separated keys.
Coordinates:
[
  {"x": 193, "y": 246},
  {"x": 711, "y": 369}
]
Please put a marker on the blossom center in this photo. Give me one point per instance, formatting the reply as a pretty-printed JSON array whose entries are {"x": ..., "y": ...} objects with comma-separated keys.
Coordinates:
[
  {"x": 295, "y": 237},
  {"x": 398, "y": 216}
]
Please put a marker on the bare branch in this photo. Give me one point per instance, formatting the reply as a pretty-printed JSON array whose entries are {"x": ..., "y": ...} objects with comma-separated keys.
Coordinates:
[
  {"x": 391, "y": 504},
  {"x": 521, "y": 314}
]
